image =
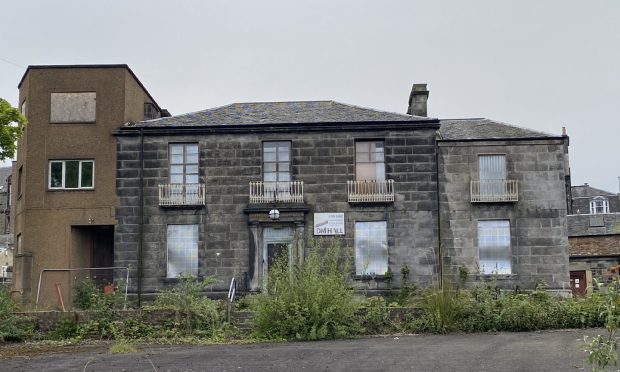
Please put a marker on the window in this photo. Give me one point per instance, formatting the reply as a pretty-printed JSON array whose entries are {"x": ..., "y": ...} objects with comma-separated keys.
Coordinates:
[
  {"x": 182, "y": 250},
  {"x": 277, "y": 161},
  {"x": 183, "y": 163},
  {"x": 150, "y": 111},
  {"x": 599, "y": 205},
  {"x": 371, "y": 248},
  {"x": 494, "y": 247},
  {"x": 19, "y": 244},
  {"x": 73, "y": 107},
  {"x": 23, "y": 108},
  {"x": 71, "y": 174},
  {"x": 369, "y": 161},
  {"x": 492, "y": 168},
  {"x": 20, "y": 181}
]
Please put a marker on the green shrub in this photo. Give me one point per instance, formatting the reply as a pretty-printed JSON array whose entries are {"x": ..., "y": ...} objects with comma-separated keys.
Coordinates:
[
  {"x": 12, "y": 327},
  {"x": 104, "y": 311},
  {"x": 83, "y": 292},
  {"x": 66, "y": 329},
  {"x": 201, "y": 314},
  {"x": 311, "y": 301},
  {"x": 375, "y": 315}
]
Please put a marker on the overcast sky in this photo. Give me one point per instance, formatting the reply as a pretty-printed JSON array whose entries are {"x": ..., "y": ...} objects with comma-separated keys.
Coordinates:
[{"x": 537, "y": 64}]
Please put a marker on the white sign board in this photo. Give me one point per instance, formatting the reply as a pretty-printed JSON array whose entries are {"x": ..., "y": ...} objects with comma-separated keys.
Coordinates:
[{"x": 329, "y": 224}]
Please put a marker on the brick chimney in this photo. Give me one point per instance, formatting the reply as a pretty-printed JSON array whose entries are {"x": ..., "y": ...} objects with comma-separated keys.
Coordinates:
[{"x": 417, "y": 100}]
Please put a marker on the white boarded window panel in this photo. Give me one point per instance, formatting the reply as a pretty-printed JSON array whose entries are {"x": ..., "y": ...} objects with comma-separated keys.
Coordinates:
[
  {"x": 182, "y": 250},
  {"x": 371, "y": 248},
  {"x": 495, "y": 255},
  {"x": 73, "y": 107}
]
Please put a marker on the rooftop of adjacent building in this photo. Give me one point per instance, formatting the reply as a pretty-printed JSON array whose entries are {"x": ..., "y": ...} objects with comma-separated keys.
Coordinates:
[
  {"x": 95, "y": 66},
  {"x": 587, "y": 191}
]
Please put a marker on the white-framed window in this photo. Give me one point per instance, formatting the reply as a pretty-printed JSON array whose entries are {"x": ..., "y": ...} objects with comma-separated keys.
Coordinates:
[
  {"x": 492, "y": 173},
  {"x": 371, "y": 248},
  {"x": 277, "y": 161},
  {"x": 77, "y": 107},
  {"x": 369, "y": 161},
  {"x": 183, "y": 163},
  {"x": 494, "y": 251},
  {"x": 599, "y": 205},
  {"x": 182, "y": 250},
  {"x": 71, "y": 174}
]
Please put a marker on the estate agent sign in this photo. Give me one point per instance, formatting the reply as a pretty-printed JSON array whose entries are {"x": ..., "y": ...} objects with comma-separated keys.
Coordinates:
[{"x": 329, "y": 224}]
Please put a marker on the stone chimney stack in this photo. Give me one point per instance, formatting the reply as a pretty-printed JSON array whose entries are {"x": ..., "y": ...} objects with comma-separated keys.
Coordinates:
[{"x": 417, "y": 100}]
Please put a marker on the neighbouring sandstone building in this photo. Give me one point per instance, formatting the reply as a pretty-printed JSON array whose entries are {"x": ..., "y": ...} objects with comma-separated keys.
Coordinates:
[{"x": 64, "y": 180}]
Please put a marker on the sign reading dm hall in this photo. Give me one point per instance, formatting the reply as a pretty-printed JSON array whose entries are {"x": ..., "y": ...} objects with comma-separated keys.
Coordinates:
[{"x": 329, "y": 224}]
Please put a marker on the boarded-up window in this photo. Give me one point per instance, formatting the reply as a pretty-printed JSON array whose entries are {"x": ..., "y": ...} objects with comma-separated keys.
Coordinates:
[
  {"x": 494, "y": 250},
  {"x": 371, "y": 248},
  {"x": 182, "y": 250},
  {"x": 73, "y": 107}
]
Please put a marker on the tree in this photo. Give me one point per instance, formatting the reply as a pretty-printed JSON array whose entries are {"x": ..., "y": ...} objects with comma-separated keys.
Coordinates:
[{"x": 11, "y": 128}]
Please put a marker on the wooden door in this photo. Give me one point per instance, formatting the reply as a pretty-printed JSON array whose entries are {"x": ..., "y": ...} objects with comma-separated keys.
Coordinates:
[{"x": 578, "y": 283}]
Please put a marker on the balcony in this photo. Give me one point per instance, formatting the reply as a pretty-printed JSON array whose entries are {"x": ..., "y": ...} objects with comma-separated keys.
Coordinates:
[
  {"x": 494, "y": 191},
  {"x": 180, "y": 194},
  {"x": 371, "y": 191},
  {"x": 283, "y": 192}
]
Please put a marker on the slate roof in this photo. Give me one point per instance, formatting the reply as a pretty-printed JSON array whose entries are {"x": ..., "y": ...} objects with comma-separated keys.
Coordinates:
[
  {"x": 480, "y": 128},
  {"x": 295, "y": 112},
  {"x": 587, "y": 191}
]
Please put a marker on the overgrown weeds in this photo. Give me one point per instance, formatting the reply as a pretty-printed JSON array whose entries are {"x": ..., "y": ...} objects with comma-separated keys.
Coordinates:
[
  {"x": 313, "y": 300},
  {"x": 12, "y": 327}
]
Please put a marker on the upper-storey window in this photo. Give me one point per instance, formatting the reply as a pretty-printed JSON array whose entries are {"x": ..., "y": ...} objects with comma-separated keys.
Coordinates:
[
  {"x": 71, "y": 174},
  {"x": 24, "y": 108},
  {"x": 73, "y": 107},
  {"x": 492, "y": 167},
  {"x": 277, "y": 161},
  {"x": 369, "y": 161},
  {"x": 492, "y": 172},
  {"x": 183, "y": 163},
  {"x": 599, "y": 205}
]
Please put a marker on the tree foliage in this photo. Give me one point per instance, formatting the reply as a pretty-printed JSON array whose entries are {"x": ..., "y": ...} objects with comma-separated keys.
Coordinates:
[{"x": 11, "y": 127}]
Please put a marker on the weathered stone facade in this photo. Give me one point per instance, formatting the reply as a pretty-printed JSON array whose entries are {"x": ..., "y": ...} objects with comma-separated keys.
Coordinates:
[
  {"x": 432, "y": 171},
  {"x": 231, "y": 228},
  {"x": 538, "y": 227}
]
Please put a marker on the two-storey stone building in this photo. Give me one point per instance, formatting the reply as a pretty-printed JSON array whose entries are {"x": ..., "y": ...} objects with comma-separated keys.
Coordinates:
[
  {"x": 196, "y": 192},
  {"x": 200, "y": 202}
]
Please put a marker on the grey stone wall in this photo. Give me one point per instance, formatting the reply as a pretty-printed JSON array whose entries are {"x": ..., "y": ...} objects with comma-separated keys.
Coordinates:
[
  {"x": 323, "y": 161},
  {"x": 538, "y": 225}
]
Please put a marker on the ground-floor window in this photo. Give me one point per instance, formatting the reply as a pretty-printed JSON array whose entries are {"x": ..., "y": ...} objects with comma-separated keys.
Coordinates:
[
  {"x": 371, "y": 248},
  {"x": 494, "y": 252},
  {"x": 182, "y": 250}
]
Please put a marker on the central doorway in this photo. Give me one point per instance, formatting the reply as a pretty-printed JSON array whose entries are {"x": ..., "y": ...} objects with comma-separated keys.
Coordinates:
[{"x": 276, "y": 242}]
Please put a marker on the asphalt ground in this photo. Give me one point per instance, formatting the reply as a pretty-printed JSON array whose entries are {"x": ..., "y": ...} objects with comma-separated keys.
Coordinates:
[{"x": 559, "y": 350}]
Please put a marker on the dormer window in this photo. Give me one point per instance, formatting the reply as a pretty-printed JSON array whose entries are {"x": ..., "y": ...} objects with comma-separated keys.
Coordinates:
[{"x": 599, "y": 205}]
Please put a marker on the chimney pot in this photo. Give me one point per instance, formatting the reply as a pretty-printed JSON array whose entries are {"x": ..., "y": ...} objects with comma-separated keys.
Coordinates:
[{"x": 417, "y": 100}]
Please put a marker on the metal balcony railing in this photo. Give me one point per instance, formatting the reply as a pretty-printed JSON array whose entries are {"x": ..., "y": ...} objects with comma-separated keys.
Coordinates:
[
  {"x": 370, "y": 191},
  {"x": 284, "y": 192},
  {"x": 489, "y": 191},
  {"x": 179, "y": 194}
]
